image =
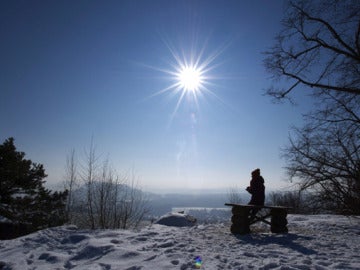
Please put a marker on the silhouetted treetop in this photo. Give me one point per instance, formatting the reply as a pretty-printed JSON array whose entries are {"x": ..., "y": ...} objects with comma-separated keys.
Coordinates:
[{"x": 23, "y": 198}]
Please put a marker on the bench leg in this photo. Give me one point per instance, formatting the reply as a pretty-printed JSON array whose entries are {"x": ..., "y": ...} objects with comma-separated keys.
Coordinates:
[
  {"x": 278, "y": 221},
  {"x": 240, "y": 220}
]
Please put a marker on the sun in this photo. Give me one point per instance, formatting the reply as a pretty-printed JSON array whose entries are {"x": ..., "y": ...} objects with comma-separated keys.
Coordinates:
[
  {"x": 192, "y": 73},
  {"x": 190, "y": 78}
]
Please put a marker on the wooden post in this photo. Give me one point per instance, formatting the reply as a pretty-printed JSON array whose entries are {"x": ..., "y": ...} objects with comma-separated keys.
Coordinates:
[
  {"x": 278, "y": 220},
  {"x": 240, "y": 220}
]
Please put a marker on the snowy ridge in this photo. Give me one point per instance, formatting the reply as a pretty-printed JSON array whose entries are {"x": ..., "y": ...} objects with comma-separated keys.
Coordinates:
[{"x": 314, "y": 242}]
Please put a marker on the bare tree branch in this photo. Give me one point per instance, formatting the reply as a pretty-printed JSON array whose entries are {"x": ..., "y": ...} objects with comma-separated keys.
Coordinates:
[
  {"x": 352, "y": 53},
  {"x": 318, "y": 48}
]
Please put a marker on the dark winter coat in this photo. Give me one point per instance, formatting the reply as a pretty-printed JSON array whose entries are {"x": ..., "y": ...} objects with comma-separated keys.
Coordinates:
[{"x": 257, "y": 190}]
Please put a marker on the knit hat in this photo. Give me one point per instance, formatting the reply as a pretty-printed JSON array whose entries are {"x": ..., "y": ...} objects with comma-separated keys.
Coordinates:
[{"x": 256, "y": 172}]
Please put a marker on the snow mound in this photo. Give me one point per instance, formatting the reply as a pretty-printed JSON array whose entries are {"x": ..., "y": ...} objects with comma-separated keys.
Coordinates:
[{"x": 176, "y": 220}]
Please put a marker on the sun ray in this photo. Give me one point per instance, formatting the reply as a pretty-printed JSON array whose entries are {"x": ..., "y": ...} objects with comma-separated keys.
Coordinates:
[
  {"x": 177, "y": 106},
  {"x": 162, "y": 91}
]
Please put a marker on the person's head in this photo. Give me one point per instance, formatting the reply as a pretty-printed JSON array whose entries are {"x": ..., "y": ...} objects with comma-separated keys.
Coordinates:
[{"x": 255, "y": 173}]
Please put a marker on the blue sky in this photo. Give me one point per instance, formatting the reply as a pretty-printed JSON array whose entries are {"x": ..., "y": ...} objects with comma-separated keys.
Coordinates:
[{"x": 75, "y": 70}]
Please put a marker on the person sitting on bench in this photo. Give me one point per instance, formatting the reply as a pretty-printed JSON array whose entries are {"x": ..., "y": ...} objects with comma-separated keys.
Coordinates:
[{"x": 257, "y": 191}]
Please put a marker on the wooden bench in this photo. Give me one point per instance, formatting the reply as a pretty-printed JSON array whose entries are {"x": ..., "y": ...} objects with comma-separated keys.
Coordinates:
[{"x": 241, "y": 217}]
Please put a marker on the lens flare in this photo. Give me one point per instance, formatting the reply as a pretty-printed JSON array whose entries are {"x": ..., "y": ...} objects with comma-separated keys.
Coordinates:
[{"x": 198, "y": 262}]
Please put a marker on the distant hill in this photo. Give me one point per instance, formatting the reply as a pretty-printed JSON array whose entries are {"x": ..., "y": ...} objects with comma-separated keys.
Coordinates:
[{"x": 161, "y": 204}]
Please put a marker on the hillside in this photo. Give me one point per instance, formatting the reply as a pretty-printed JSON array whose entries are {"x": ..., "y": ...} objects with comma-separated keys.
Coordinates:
[{"x": 313, "y": 242}]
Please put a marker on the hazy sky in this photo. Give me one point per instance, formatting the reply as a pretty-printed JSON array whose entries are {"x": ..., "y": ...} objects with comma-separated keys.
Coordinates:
[{"x": 73, "y": 70}]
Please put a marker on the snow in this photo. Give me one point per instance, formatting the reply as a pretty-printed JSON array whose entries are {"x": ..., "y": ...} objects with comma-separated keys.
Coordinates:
[
  {"x": 313, "y": 242},
  {"x": 176, "y": 220},
  {"x": 4, "y": 220}
]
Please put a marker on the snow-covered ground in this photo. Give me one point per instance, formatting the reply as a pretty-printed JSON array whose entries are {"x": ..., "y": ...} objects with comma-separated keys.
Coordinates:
[{"x": 313, "y": 242}]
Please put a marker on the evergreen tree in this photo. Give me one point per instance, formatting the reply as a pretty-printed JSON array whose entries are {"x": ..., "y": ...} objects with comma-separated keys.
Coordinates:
[{"x": 23, "y": 197}]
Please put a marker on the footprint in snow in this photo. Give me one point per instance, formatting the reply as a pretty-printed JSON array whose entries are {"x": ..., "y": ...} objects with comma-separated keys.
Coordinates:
[
  {"x": 49, "y": 258},
  {"x": 150, "y": 258},
  {"x": 166, "y": 244},
  {"x": 74, "y": 239},
  {"x": 91, "y": 252},
  {"x": 116, "y": 241},
  {"x": 175, "y": 262}
]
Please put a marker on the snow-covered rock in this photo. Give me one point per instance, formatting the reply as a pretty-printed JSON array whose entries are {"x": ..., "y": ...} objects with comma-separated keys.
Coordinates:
[{"x": 176, "y": 220}]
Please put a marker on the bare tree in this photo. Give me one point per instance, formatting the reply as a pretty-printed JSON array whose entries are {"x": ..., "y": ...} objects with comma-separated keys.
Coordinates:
[
  {"x": 234, "y": 195},
  {"x": 324, "y": 155},
  {"x": 71, "y": 183},
  {"x": 132, "y": 204},
  {"x": 105, "y": 200},
  {"x": 89, "y": 175},
  {"x": 293, "y": 199},
  {"x": 319, "y": 48},
  {"x": 102, "y": 196}
]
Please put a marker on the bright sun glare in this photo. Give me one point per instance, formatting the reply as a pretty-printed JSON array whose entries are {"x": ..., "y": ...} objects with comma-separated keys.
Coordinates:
[
  {"x": 190, "y": 78},
  {"x": 190, "y": 75}
]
